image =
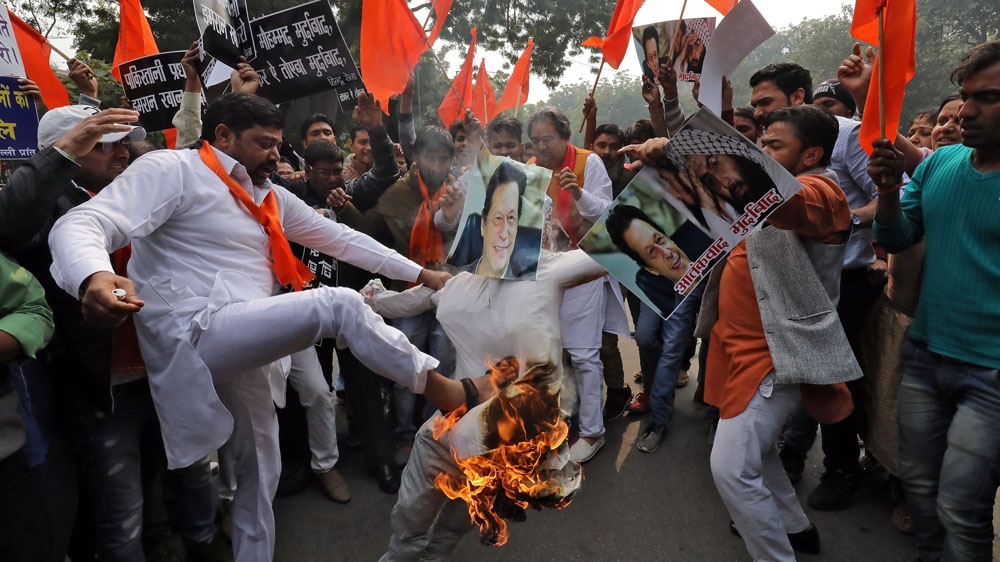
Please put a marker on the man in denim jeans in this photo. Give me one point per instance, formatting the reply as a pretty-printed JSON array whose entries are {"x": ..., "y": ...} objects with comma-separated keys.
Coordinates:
[{"x": 949, "y": 398}]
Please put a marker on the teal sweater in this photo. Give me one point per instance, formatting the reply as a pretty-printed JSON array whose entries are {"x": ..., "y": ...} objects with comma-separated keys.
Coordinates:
[{"x": 957, "y": 208}]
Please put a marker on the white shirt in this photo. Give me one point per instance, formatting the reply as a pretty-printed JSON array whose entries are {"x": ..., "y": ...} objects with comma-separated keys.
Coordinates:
[{"x": 195, "y": 249}]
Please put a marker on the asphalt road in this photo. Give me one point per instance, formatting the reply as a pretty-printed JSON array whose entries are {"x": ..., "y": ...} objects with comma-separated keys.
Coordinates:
[{"x": 634, "y": 507}]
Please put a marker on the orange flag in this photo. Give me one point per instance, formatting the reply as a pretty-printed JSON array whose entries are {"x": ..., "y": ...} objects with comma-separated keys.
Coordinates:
[
  {"x": 484, "y": 100},
  {"x": 135, "y": 38},
  {"x": 516, "y": 91},
  {"x": 392, "y": 41},
  {"x": 35, "y": 55},
  {"x": 723, "y": 6},
  {"x": 613, "y": 46},
  {"x": 441, "y": 8},
  {"x": 452, "y": 106},
  {"x": 898, "y": 60}
]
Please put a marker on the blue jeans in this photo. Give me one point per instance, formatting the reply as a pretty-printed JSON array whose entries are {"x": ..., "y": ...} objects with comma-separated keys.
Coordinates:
[
  {"x": 112, "y": 448},
  {"x": 663, "y": 348},
  {"x": 949, "y": 412},
  {"x": 426, "y": 334}
]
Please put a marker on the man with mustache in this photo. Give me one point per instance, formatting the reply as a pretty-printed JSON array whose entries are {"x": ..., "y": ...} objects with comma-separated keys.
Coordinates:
[{"x": 209, "y": 254}]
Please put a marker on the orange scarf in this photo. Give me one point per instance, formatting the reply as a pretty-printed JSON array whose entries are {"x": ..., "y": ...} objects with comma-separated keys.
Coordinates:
[
  {"x": 563, "y": 206},
  {"x": 288, "y": 270},
  {"x": 426, "y": 242}
]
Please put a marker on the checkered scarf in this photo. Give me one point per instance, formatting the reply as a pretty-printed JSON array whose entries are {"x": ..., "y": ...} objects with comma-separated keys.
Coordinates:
[
  {"x": 696, "y": 141},
  {"x": 700, "y": 27}
]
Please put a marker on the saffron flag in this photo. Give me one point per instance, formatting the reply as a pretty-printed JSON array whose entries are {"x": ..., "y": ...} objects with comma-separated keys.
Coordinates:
[
  {"x": 898, "y": 58},
  {"x": 391, "y": 44},
  {"x": 723, "y": 6},
  {"x": 135, "y": 38},
  {"x": 484, "y": 100},
  {"x": 35, "y": 54},
  {"x": 459, "y": 96},
  {"x": 515, "y": 92},
  {"x": 440, "y": 8},
  {"x": 613, "y": 46}
]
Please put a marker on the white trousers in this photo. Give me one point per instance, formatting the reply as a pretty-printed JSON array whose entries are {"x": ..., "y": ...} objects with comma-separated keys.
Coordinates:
[
  {"x": 242, "y": 340},
  {"x": 750, "y": 477},
  {"x": 589, "y": 374},
  {"x": 306, "y": 377}
]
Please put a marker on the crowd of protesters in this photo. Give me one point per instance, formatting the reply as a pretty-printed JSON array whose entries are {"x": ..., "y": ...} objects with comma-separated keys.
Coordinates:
[{"x": 158, "y": 305}]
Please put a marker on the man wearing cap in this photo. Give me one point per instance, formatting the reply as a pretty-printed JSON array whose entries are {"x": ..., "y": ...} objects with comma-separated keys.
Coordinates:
[
  {"x": 835, "y": 97},
  {"x": 100, "y": 370},
  {"x": 208, "y": 233}
]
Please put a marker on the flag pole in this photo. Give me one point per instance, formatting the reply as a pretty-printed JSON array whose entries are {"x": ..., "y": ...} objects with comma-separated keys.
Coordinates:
[
  {"x": 451, "y": 82},
  {"x": 881, "y": 72},
  {"x": 517, "y": 104},
  {"x": 56, "y": 49},
  {"x": 594, "y": 89},
  {"x": 677, "y": 30}
]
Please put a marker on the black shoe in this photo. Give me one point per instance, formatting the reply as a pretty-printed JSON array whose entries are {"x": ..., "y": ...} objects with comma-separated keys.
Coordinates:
[
  {"x": 295, "y": 477},
  {"x": 614, "y": 405},
  {"x": 219, "y": 549},
  {"x": 388, "y": 478},
  {"x": 835, "y": 490},
  {"x": 794, "y": 463},
  {"x": 804, "y": 541}
]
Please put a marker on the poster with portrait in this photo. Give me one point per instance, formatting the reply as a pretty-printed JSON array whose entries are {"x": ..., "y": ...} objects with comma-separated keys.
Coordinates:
[
  {"x": 690, "y": 44},
  {"x": 500, "y": 230},
  {"x": 714, "y": 181},
  {"x": 646, "y": 243}
]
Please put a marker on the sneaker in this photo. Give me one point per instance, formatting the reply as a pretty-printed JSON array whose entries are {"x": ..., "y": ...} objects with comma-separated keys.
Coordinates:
[
  {"x": 334, "y": 485},
  {"x": 581, "y": 451},
  {"x": 835, "y": 490},
  {"x": 794, "y": 463},
  {"x": 640, "y": 404},
  {"x": 219, "y": 549},
  {"x": 651, "y": 437},
  {"x": 614, "y": 405}
]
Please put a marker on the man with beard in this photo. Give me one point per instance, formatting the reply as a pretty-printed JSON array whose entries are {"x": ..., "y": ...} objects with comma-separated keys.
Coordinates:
[
  {"x": 404, "y": 215},
  {"x": 580, "y": 191},
  {"x": 208, "y": 233}
]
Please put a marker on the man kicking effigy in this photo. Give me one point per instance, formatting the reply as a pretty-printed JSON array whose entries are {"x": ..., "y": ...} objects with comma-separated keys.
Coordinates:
[
  {"x": 487, "y": 320},
  {"x": 208, "y": 233}
]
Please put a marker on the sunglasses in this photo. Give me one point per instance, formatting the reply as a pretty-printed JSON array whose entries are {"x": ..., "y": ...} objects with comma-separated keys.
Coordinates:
[{"x": 109, "y": 147}]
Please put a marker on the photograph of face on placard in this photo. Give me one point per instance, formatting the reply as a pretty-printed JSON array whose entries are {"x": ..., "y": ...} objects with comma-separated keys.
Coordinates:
[
  {"x": 645, "y": 243},
  {"x": 500, "y": 232},
  {"x": 652, "y": 44}
]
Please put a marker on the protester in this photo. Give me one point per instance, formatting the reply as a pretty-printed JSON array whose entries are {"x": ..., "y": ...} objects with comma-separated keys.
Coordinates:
[
  {"x": 945, "y": 400},
  {"x": 503, "y": 138},
  {"x": 361, "y": 158}
]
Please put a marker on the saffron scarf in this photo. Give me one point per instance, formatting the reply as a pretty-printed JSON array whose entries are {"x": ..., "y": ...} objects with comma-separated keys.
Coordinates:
[
  {"x": 426, "y": 242},
  {"x": 289, "y": 270}
]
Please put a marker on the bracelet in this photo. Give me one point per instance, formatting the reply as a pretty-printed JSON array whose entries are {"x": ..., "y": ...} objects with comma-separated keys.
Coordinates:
[
  {"x": 888, "y": 190},
  {"x": 471, "y": 394},
  {"x": 64, "y": 154}
]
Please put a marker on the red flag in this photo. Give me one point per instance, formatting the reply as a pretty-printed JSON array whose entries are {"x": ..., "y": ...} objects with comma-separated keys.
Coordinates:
[
  {"x": 135, "y": 38},
  {"x": 35, "y": 55},
  {"x": 516, "y": 91},
  {"x": 723, "y": 6},
  {"x": 451, "y": 108},
  {"x": 898, "y": 59},
  {"x": 441, "y": 8},
  {"x": 484, "y": 101},
  {"x": 391, "y": 44},
  {"x": 613, "y": 46}
]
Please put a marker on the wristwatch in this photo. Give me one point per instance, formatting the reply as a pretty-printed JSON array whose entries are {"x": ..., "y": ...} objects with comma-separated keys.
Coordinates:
[{"x": 855, "y": 221}]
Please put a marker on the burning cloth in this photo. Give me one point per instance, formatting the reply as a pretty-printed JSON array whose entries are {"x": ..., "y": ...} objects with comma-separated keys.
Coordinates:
[{"x": 509, "y": 452}]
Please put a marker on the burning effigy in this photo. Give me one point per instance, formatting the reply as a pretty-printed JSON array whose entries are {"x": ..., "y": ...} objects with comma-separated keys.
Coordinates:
[{"x": 487, "y": 464}]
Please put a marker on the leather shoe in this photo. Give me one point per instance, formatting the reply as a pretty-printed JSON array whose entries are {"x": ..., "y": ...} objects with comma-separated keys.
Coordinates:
[
  {"x": 804, "y": 541},
  {"x": 334, "y": 485},
  {"x": 388, "y": 478}
]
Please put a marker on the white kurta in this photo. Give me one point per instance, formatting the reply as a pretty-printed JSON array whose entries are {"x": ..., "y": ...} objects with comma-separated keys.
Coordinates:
[{"x": 195, "y": 250}]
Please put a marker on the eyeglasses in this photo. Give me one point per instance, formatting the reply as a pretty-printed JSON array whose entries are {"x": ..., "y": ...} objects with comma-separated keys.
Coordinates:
[
  {"x": 320, "y": 172},
  {"x": 109, "y": 147}
]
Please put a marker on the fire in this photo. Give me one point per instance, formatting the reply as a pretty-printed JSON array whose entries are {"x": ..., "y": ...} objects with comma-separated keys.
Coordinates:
[{"x": 525, "y": 429}]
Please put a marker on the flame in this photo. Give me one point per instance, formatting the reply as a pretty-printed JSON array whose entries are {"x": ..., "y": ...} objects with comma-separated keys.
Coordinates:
[{"x": 524, "y": 428}]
